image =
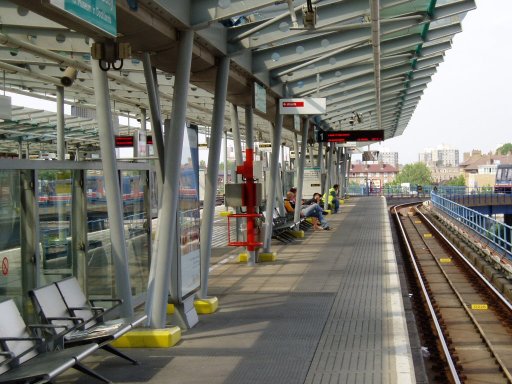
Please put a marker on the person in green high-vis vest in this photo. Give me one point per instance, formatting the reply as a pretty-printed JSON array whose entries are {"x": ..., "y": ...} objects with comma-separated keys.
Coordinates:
[{"x": 331, "y": 197}]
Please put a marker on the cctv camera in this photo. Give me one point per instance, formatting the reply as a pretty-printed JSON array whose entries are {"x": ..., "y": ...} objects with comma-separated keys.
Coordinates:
[{"x": 69, "y": 76}]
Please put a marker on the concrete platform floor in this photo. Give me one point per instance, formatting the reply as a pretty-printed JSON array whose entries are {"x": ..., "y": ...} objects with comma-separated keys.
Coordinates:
[{"x": 329, "y": 310}]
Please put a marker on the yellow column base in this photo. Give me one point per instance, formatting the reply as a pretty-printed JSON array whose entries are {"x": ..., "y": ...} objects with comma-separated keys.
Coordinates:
[
  {"x": 224, "y": 213},
  {"x": 269, "y": 256},
  {"x": 170, "y": 309},
  {"x": 149, "y": 338},
  {"x": 342, "y": 201},
  {"x": 297, "y": 234},
  {"x": 206, "y": 306},
  {"x": 243, "y": 258},
  {"x": 327, "y": 211}
]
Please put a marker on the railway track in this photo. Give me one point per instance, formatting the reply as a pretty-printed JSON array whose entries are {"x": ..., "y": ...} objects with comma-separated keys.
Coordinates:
[{"x": 464, "y": 322}]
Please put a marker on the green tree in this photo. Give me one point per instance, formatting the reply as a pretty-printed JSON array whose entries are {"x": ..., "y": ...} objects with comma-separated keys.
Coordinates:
[
  {"x": 416, "y": 173},
  {"x": 504, "y": 149},
  {"x": 457, "y": 181}
]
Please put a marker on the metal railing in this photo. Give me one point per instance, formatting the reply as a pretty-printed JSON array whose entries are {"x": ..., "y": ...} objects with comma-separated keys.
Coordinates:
[{"x": 495, "y": 233}]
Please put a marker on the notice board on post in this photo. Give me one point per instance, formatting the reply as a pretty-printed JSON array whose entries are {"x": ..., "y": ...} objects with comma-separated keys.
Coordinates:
[{"x": 312, "y": 182}]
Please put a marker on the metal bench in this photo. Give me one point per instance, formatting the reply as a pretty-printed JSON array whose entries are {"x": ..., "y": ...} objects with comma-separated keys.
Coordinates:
[
  {"x": 282, "y": 226},
  {"x": 24, "y": 358},
  {"x": 63, "y": 303}
]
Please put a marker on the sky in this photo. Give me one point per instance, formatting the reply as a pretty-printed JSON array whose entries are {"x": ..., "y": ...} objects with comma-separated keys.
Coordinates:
[{"x": 468, "y": 103}]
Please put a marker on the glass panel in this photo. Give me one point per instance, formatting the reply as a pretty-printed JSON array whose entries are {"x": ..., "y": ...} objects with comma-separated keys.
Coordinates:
[
  {"x": 54, "y": 196},
  {"x": 188, "y": 216},
  {"x": 100, "y": 270},
  {"x": 133, "y": 187},
  {"x": 10, "y": 242}
]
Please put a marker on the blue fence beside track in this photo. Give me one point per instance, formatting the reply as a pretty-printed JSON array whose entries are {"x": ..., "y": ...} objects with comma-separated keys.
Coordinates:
[{"x": 495, "y": 233}]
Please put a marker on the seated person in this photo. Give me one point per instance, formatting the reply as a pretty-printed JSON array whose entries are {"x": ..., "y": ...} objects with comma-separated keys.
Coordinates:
[
  {"x": 316, "y": 199},
  {"x": 331, "y": 197},
  {"x": 313, "y": 210}
]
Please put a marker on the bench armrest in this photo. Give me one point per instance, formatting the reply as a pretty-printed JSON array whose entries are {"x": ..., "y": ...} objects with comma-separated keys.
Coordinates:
[
  {"x": 118, "y": 301},
  {"x": 74, "y": 319}
]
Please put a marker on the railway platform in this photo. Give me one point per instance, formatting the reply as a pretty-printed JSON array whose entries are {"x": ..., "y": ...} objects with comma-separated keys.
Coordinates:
[{"x": 329, "y": 310}]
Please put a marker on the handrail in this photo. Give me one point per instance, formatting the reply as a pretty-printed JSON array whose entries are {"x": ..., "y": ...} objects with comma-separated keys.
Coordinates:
[{"x": 496, "y": 233}]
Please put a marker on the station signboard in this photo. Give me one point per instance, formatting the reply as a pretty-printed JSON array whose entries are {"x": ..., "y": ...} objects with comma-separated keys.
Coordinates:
[
  {"x": 99, "y": 14},
  {"x": 348, "y": 136},
  {"x": 303, "y": 106}
]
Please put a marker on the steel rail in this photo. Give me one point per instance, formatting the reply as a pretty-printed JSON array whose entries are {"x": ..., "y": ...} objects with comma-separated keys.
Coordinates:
[
  {"x": 442, "y": 339},
  {"x": 486, "y": 340}
]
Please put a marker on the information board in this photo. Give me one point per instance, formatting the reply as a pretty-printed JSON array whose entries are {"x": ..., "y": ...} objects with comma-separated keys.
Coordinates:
[
  {"x": 346, "y": 136},
  {"x": 312, "y": 182}
]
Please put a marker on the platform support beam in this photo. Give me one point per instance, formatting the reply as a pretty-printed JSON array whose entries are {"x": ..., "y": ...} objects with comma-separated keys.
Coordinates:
[
  {"x": 112, "y": 188},
  {"x": 274, "y": 164},
  {"x": 219, "y": 105},
  {"x": 237, "y": 140},
  {"x": 61, "y": 144},
  {"x": 156, "y": 117},
  {"x": 302, "y": 164},
  {"x": 249, "y": 144},
  {"x": 159, "y": 286},
  {"x": 328, "y": 172}
]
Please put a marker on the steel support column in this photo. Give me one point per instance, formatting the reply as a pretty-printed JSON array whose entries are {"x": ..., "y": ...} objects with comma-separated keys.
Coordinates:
[
  {"x": 249, "y": 143},
  {"x": 158, "y": 289},
  {"x": 156, "y": 117},
  {"x": 20, "y": 149},
  {"x": 29, "y": 233},
  {"x": 343, "y": 178},
  {"x": 302, "y": 164},
  {"x": 348, "y": 158},
  {"x": 338, "y": 166},
  {"x": 221, "y": 90},
  {"x": 225, "y": 165},
  {"x": 61, "y": 145},
  {"x": 296, "y": 150},
  {"x": 274, "y": 173},
  {"x": 328, "y": 173},
  {"x": 249, "y": 128},
  {"x": 79, "y": 226},
  {"x": 112, "y": 188},
  {"x": 237, "y": 141}
]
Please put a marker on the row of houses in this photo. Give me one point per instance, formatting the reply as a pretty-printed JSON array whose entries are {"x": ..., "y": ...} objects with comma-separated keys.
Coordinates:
[{"x": 478, "y": 169}]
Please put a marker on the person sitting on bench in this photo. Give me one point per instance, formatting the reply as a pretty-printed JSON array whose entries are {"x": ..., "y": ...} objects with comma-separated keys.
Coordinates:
[{"x": 313, "y": 210}]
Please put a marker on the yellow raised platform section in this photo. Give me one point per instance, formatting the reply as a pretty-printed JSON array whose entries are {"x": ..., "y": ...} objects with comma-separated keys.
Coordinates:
[
  {"x": 170, "y": 309},
  {"x": 269, "y": 256},
  {"x": 149, "y": 338},
  {"x": 297, "y": 234},
  {"x": 243, "y": 258},
  {"x": 206, "y": 306}
]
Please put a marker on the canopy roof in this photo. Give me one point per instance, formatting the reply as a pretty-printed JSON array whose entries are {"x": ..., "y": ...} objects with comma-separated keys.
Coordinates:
[{"x": 371, "y": 59}]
